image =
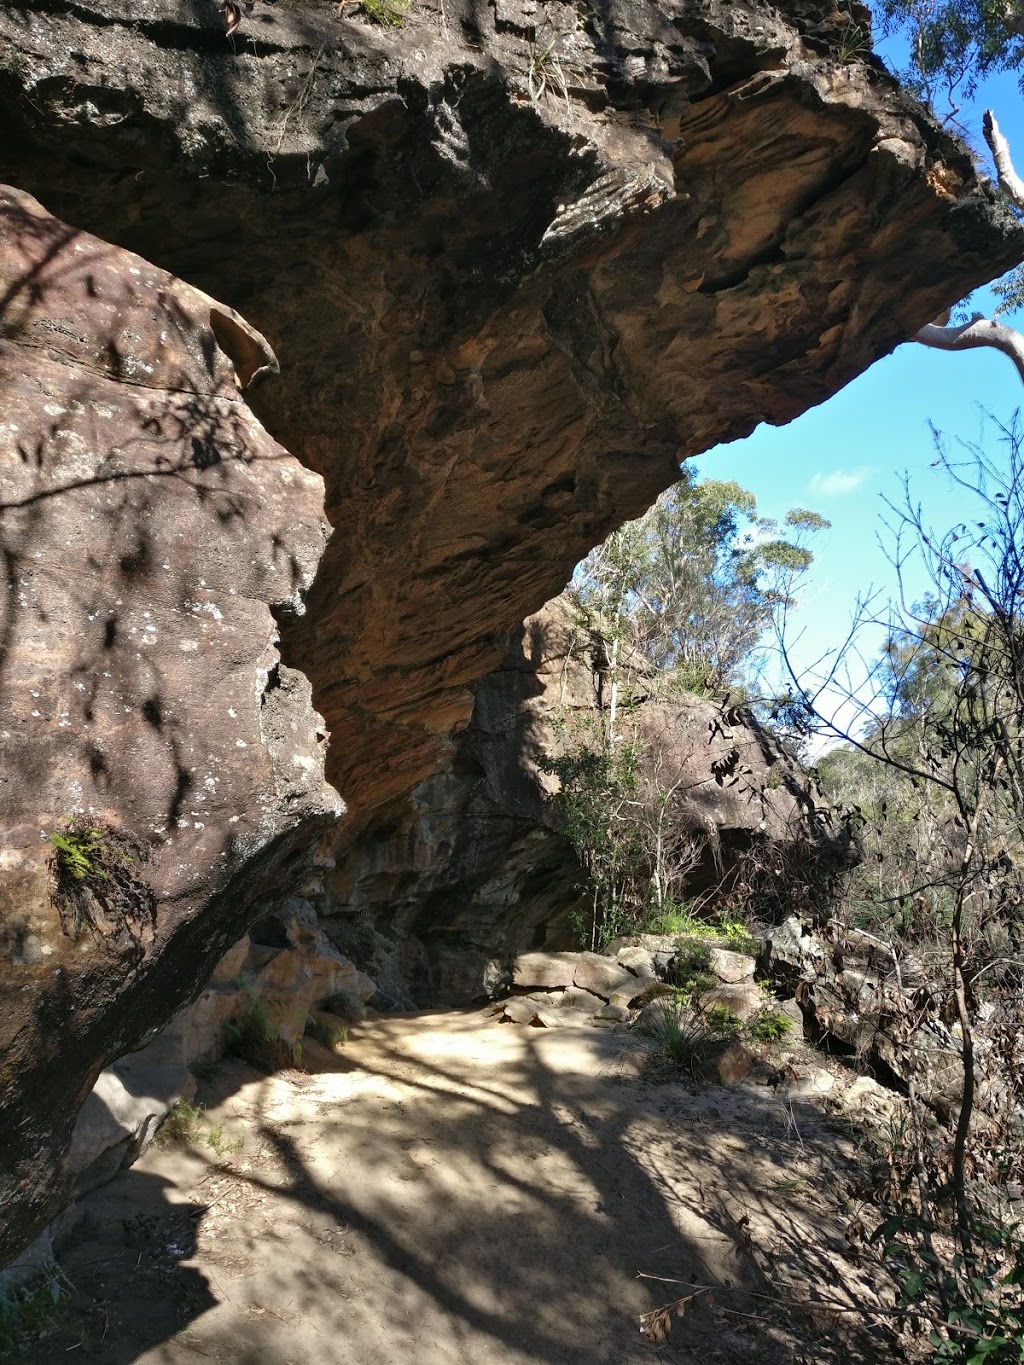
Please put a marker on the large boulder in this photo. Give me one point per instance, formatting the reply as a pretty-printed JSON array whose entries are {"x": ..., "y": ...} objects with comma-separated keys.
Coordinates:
[
  {"x": 850, "y": 992},
  {"x": 151, "y": 529}
]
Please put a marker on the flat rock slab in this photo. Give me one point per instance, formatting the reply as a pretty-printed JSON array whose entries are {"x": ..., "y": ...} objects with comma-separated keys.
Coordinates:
[
  {"x": 601, "y": 975},
  {"x": 546, "y": 970}
]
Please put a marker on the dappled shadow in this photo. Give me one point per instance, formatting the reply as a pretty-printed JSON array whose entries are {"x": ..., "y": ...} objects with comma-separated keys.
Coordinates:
[
  {"x": 149, "y": 530},
  {"x": 451, "y": 1189}
]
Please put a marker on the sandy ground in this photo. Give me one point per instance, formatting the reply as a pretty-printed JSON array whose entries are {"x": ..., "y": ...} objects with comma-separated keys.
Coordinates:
[{"x": 447, "y": 1189}]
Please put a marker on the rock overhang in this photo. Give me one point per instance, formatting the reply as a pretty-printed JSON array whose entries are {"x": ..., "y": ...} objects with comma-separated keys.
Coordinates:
[{"x": 516, "y": 265}]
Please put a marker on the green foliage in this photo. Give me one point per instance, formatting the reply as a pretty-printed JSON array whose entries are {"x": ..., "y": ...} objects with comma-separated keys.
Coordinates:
[
  {"x": 598, "y": 783},
  {"x": 545, "y": 73},
  {"x": 387, "y": 13},
  {"x": 346, "y": 1006},
  {"x": 681, "y": 1037},
  {"x": 254, "y": 1038},
  {"x": 79, "y": 852},
  {"x": 330, "y": 1034},
  {"x": 954, "y": 43},
  {"x": 722, "y": 1022},
  {"x": 854, "y": 41},
  {"x": 27, "y": 1310},
  {"x": 96, "y": 882},
  {"x": 690, "y": 588},
  {"x": 720, "y": 928},
  {"x": 770, "y": 1026},
  {"x": 687, "y": 1036},
  {"x": 974, "y": 1301},
  {"x": 690, "y": 968},
  {"x": 183, "y": 1122},
  {"x": 186, "y": 1123}
]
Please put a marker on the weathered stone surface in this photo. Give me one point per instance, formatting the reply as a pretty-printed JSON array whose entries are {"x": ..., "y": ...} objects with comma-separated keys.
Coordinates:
[
  {"x": 849, "y": 991},
  {"x": 743, "y": 1000},
  {"x": 791, "y": 1009},
  {"x": 150, "y": 527},
  {"x": 720, "y": 224},
  {"x": 638, "y": 960},
  {"x": 615, "y": 1013},
  {"x": 602, "y": 975},
  {"x": 482, "y": 865},
  {"x": 732, "y": 967},
  {"x": 792, "y": 954},
  {"x": 585, "y": 1001},
  {"x": 124, "y": 1109},
  {"x": 734, "y": 1064},
  {"x": 518, "y": 1010},
  {"x": 811, "y": 1082},
  {"x": 547, "y": 970}
]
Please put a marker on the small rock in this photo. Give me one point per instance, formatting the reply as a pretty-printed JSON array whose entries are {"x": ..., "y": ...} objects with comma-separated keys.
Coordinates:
[
  {"x": 734, "y": 1064},
  {"x": 732, "y": 967},
  {"x": 791, "y": 1009},
  {"x": 519, "y": 1010},
  {"x": 584, "y": 1002},
  {"x": 617, "y": 1013},
  {"x": 817, "y": 1082},
  {"x": 743, "y": 1000}
]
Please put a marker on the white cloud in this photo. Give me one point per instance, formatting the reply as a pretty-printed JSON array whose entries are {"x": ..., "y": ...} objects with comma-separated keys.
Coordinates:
[{"x": 840, "y": 481}]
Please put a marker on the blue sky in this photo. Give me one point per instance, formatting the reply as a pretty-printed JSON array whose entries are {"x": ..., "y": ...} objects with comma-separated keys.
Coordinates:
[{"x": 846, "y": 456}]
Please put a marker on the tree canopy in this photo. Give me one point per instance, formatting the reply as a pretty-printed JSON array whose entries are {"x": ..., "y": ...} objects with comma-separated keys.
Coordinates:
[{"x": 690, "y": 587}]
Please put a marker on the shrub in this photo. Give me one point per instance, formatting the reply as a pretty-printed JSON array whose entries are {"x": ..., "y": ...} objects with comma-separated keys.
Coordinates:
[
  {"x": 320, "y": 1027},
  {"x": 974, "y": 1302},
  {"x": 186, "y": 1123},
  {"x": 346, "y": 1006},
  {"x": 387, "y": 13},
  {"x": 183, "y": 1122},
  {"x": 681, "y": 1038},
  {"x": 26, "y": 1309},
  {"x": 770, "y": 1026},
  {"x": 686, "y": 1036},
  {"x": 722, "y": 1022},
  {"x": 95, "y": 880},
  {"x": 253, "y": 1037},
  {"x": 690, "y": 968},
  {"x": 678, "y": 920}
]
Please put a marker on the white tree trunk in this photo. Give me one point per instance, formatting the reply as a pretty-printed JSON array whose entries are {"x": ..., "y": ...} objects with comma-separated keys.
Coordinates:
[{"x": 981, "y": 331}]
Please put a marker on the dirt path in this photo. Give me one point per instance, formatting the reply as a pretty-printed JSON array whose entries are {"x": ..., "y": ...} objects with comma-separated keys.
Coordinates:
[{"x": 448, "y": 1189}]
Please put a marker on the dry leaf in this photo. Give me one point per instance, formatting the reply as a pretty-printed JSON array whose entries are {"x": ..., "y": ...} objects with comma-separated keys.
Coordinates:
[
  {"x": 656, "y": 1326},
  {"x": 232, "y": 18}
]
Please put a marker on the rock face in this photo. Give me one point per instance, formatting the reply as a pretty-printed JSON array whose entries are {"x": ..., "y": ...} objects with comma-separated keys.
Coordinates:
[
  {"x": 478, "y": 871},
  {"x": 150, "y": 527},
  {"x": 851, "y": 993},
  {"x": 286, "y": 967},
  {"x": 509, "y": 292}
]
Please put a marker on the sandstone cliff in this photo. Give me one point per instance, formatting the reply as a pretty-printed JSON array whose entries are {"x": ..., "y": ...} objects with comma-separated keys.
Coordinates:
[
  {"x": 515, "y": 265},
  {"x": 478, "y": 870}
]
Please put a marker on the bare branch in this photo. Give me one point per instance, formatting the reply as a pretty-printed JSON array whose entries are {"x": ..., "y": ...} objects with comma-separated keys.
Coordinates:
[{"x": 980, "y": 331}]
